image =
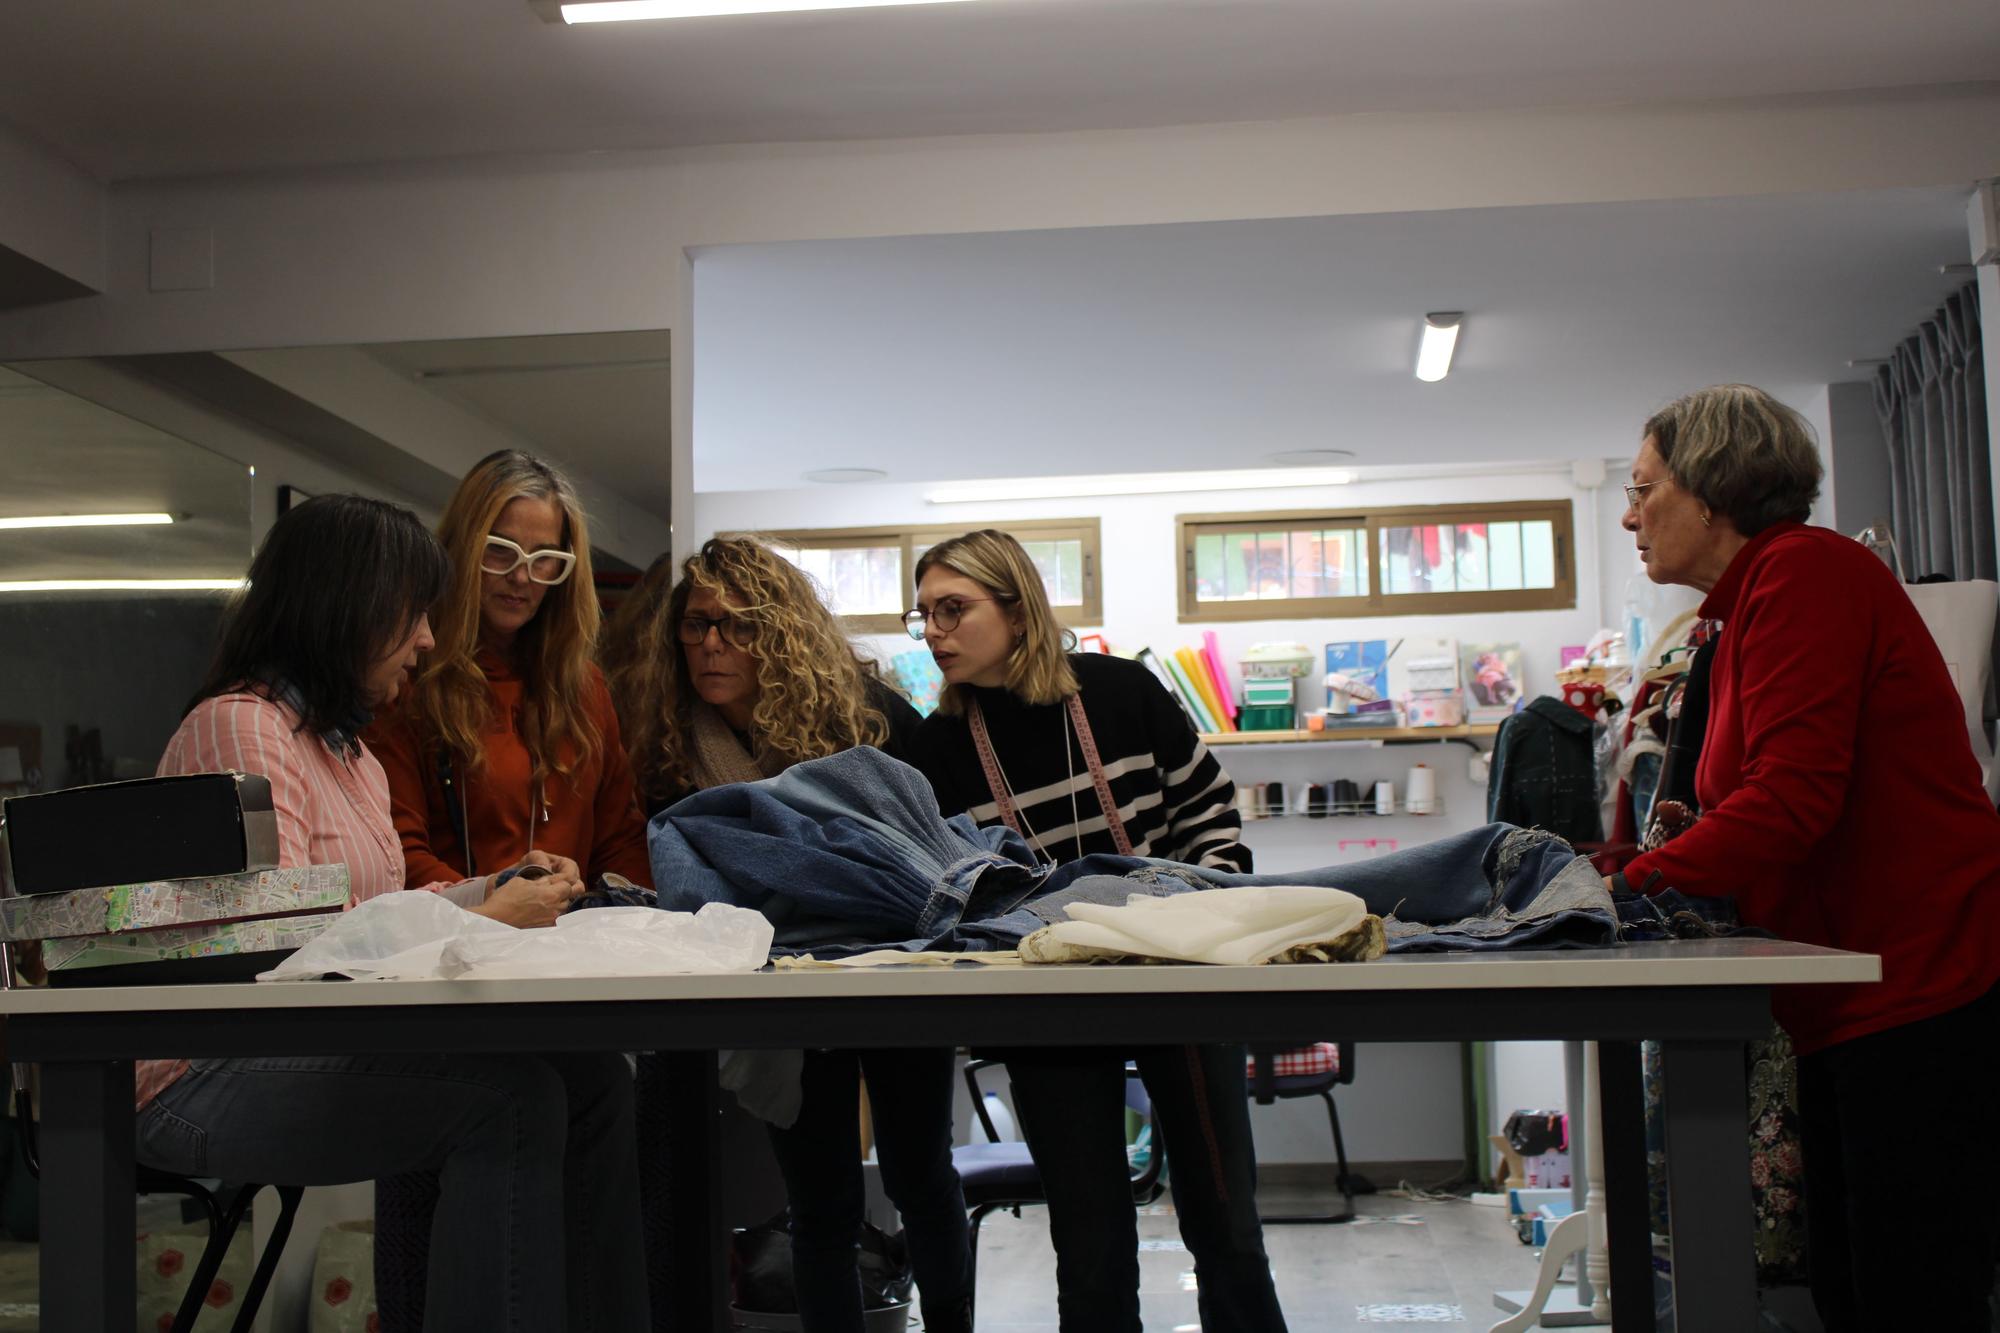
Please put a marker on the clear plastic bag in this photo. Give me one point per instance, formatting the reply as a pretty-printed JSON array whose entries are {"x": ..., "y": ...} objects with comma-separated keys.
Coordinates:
[{"x": 419, "y": 936}]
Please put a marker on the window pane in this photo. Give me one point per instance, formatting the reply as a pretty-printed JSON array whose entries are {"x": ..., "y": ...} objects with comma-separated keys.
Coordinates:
[
  {"x": 1503, "y": 541},
  {"x": 1060, "y": 563},
  {"x": 1472, "y": 557},
  {"x": 1271, "y": 572},
  {"x": 1420, "y": 559},
  {"x": 1538, "y": 554},
  {"x": 856, "y": 580},
  {"x": 1210, "y": 581}
]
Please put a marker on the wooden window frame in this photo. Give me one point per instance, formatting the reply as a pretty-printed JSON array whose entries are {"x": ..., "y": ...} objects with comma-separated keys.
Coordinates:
[
  {"x": 1559, "y": 513},
  {"x": 913, "y": 540}
]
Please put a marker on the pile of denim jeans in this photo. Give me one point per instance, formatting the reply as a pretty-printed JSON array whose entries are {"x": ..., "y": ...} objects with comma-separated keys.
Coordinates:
[{"x": 849, "y": 853}]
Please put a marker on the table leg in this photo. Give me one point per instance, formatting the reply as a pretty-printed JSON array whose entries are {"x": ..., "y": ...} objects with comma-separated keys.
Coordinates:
[
  {"x": 694, "y": 1143},
  {"x": 89, "y": 1205},
  {"x": 1708, "y": 1186},
  {"x": 1622, "y": 1121}
]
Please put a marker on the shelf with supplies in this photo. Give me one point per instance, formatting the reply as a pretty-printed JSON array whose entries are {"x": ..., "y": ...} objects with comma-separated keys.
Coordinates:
[{"x": 1401, "y": 735}]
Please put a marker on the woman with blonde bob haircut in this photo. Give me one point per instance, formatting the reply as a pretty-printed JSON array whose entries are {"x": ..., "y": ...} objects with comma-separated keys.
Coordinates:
[
  {"x": 1082, "y": 753},
  {"x": 734, "y": 673},
  {"x": 509, "y": 741}
]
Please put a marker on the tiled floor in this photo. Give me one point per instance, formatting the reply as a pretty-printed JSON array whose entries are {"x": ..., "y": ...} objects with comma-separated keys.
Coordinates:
[{"x": 1401, "y": 1263}]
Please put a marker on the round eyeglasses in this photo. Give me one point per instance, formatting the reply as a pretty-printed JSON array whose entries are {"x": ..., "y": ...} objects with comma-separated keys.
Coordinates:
[
  {"x": 945, "y": 615},
  {"x": 548, "y": 566},
  {"x": 734, "y": 630}
]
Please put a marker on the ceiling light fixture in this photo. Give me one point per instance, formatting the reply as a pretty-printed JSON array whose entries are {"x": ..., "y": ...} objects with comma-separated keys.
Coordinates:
[
  {"x": 1136, "y": 483},
  {"x": 83, "y": 521},
  {"x": 125, "y": 585},
  {"x": 623, "y": 11},
  {"x": 1309, "y": 457},
  {"x": 846, "y": 476},
  {"x": 1440, "y": 336}
]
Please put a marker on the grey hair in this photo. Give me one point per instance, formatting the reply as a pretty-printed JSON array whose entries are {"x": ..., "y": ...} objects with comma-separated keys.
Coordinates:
[{"x": 1742, "y": 453}]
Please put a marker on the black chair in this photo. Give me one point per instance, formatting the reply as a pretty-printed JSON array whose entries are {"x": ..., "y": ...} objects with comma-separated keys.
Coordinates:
[
  {"x": 1313, "y": 1070},
  {"x": 225, "y": 1209},
  {"x": 997, "y": 1175}
]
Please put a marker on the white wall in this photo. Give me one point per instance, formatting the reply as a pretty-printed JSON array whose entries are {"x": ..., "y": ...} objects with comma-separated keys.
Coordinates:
[
  {"x": 1858, "y": 478},
  {"x": 593, "y": 242}
]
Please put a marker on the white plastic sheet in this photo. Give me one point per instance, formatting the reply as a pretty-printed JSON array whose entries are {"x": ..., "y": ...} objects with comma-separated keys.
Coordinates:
[
  {"x": 420, "y": 936},
  {"x": 1246, "y": 924}
]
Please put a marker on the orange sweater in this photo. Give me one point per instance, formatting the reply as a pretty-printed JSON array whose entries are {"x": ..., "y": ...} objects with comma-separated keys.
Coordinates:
[{"x": 591, "y": 816}]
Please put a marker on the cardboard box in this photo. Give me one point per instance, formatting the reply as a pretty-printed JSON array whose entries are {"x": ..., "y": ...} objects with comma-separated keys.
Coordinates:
[
  {"x": 187, "y": 826},
  {"x": 174, "y": 902},
  {"x": 179, "y": 943}
]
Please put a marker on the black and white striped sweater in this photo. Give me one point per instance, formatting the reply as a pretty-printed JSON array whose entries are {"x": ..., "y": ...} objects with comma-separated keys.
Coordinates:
[{"x": 1174, "y": 799}]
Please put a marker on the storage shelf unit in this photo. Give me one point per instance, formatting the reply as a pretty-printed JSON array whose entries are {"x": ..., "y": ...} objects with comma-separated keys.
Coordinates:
[{"x": 1464, "y": 733}]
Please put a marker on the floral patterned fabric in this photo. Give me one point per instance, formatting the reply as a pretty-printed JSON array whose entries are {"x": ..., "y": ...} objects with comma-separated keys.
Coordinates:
[{"x": 1777, "y": 1177}]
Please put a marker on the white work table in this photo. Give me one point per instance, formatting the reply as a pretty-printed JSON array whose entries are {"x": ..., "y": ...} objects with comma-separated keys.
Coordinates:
[{"x": 1701, "y": 1000}]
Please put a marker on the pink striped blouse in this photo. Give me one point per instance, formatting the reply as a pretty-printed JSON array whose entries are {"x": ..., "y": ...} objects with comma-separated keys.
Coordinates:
[{"x": 332, "y": 808}]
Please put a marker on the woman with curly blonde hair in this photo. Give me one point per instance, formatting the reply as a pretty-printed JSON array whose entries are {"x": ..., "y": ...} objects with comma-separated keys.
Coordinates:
[
  {"x": 508, "y": 741},
  {"x": 735, "y": 674},
  {"x": 739, "y": 672}
]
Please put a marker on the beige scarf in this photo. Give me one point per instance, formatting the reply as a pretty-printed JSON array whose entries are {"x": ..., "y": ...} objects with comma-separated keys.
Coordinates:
[{"x": 720, "y": 758}]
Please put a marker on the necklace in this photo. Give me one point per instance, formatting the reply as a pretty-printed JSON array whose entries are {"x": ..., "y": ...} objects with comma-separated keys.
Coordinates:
[{"x": 1075, "y": 820}]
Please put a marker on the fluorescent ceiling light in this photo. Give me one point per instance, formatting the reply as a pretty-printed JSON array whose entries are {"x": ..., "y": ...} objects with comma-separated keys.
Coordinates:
[
  {"x": 1137, "y": 483},
  {"x": 84, "y": 521},
  {"x": 622, "y": 11},
  {"x": 125, "y": 585},
  {"x": 1440, "y": 336}
]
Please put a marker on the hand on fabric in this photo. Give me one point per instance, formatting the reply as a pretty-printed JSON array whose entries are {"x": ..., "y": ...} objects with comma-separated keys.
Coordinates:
[
  {"x": 561, "y": 867},
  {"x": 544, "y": 888}
]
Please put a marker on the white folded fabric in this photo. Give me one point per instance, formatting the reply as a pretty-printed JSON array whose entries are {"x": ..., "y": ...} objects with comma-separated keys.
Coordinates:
[{"x": 1249, "y": 924}]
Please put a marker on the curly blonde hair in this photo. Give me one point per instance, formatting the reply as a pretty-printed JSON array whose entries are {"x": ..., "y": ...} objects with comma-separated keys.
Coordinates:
[
  {"x": 450, "y": 703},
  {"x": 812, "y": 696}
]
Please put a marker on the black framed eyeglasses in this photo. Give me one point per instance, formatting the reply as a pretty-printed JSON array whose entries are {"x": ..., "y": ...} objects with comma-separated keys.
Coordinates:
[
  {"x": 734, "y": 630},
  {"x": 945, "y": 615}
]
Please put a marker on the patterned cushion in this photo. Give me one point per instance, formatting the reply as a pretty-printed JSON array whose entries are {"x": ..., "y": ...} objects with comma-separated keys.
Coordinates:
[{"x": 1319, "y": 1058}]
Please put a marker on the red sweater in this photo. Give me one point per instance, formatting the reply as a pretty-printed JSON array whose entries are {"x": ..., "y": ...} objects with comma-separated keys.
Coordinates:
[
  {"x": 592, "y": 816},
  {"x": 1841, "y": 802}
]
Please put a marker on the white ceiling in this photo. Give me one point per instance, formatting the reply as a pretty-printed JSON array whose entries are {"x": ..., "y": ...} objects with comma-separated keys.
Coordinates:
[
  {"x": 1215, "y": 344},
  {"x": 129, "y": 89}
]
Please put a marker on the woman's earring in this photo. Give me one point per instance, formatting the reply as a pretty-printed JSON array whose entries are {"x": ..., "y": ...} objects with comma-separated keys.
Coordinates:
[{"x": 1704, "y": 518}]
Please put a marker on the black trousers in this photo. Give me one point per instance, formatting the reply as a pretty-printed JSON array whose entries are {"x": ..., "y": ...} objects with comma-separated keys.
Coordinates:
[{"x": 1899, "y": 1131}]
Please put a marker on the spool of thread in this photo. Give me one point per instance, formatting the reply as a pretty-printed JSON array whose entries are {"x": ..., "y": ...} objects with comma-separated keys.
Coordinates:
[
  {"x": 1385, "y": 798},
  {"x": 1420, "y": 791}
]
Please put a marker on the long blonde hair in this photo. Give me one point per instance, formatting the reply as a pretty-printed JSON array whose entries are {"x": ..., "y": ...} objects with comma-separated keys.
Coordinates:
[
  {"x": 811, "y": 683},
  {"x": 450, "y": 702},
  {"x": 1039, "y": 671}
]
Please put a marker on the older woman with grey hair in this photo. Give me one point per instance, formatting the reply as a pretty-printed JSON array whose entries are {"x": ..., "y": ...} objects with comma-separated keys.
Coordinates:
[{"x": 1840, "y": 804}]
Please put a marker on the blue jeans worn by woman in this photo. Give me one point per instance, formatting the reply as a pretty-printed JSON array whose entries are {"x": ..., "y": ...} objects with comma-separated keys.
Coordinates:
[
  {"x": 909, "y": 1099},
  {"x": 537, "y": 1223},
  {"x": 1072, "y": 1109}
]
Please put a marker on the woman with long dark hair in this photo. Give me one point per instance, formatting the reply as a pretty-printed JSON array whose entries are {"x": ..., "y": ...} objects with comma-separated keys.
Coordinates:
[{"x": 536, "y": 1152}]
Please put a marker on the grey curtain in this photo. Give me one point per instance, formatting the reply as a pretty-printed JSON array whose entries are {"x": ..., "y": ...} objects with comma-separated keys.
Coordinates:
[{"x": 1932, "y": 401}]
